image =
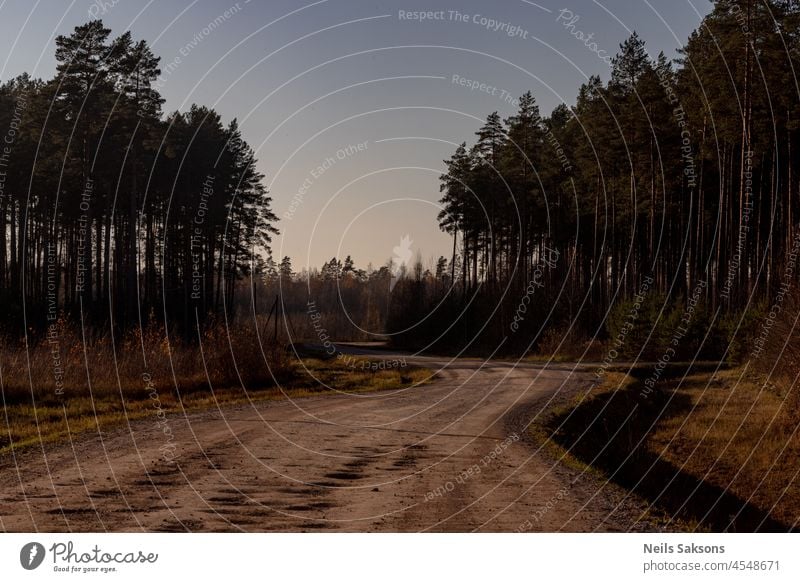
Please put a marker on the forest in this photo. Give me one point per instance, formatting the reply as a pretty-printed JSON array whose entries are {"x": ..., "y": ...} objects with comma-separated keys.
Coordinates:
[
  {"x": 664, "y": 203},
  {"x": 111, "y": 211}
]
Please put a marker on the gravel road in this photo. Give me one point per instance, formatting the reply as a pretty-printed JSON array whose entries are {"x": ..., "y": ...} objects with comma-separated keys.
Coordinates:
[{"x": 451, "y": 456}]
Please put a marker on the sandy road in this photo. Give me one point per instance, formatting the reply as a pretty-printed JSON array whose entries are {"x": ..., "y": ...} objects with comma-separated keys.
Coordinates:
[{"x": 448, "y": 456}]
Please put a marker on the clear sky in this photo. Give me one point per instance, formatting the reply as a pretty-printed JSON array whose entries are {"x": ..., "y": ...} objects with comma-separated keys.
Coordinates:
[{"x": 352, "y": 105}]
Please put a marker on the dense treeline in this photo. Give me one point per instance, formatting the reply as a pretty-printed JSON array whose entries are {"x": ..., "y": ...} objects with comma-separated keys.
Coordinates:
[
  {"x": 111, "y": 210},
  {"x": 672, "y": 184},
  {"x": 338, "y": 301}
]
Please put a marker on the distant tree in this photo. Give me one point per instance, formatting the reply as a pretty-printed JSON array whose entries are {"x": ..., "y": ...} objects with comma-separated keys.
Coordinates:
[
  {"x": 347, "y": 267},
  {"x": 441, "y": 269},
  {"x": 286, "y": 271}
]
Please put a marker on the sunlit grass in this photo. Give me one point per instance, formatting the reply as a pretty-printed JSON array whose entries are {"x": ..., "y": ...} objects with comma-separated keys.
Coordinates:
[
  {"x": 727, "y": 431},
  {"x": 102, "y": 389},
  {"x": 739, "y": 436}
]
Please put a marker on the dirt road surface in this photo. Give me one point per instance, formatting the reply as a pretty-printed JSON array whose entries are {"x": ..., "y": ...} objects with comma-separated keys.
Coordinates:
[{"x": 453, "y": 456}]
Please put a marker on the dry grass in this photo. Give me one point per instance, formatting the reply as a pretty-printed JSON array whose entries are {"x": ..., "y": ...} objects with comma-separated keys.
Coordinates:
[
  {"x": 740, "y": 436},
  {"x": 94, "y": 385},
  {"x": 70, "y": 363},
  {"x": 712, "y": 449}
]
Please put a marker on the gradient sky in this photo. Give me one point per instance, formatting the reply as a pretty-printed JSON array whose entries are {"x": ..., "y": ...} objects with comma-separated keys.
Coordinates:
[{"x": 309, "y": 81}]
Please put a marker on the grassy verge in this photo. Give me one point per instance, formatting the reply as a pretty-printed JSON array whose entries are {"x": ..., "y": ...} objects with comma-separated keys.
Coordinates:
[
  {"x": 95, "y": 388},
  {"x": 738, "y": 436},
  {"x": 716, "y": 454}
]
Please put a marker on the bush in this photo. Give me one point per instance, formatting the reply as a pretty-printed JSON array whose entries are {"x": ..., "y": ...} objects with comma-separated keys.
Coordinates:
[
  {"x": 633, "y": 324},
  {"x": 655, "y": 326},
  {"x": 740, "y": 330}
]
